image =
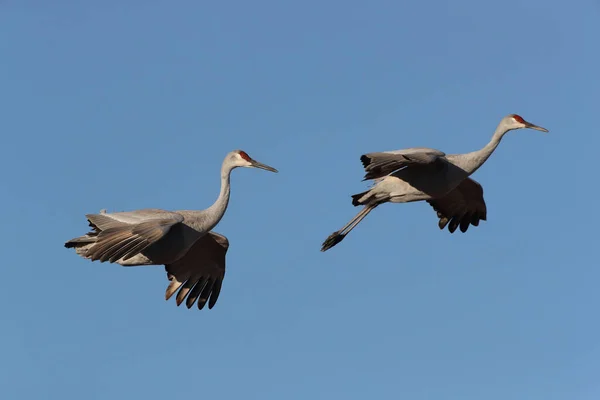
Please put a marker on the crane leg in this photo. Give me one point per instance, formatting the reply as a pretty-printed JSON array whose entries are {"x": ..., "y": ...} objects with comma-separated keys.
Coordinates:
[{"x": 338, "y": 236}]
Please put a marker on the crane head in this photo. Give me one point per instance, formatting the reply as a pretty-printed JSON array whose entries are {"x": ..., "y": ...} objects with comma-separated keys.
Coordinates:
[
  {"x": 239, "y": 158},
  {"x": 515, "y": 121}
]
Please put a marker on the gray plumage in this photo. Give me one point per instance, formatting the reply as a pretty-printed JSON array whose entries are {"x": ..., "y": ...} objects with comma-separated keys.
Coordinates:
[
  {"x": 423, "y": 174},
  {"x": 193, "y": 255}
]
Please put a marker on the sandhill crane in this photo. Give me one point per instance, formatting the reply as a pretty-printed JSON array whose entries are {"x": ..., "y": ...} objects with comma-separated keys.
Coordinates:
[
  {"x": 418, "y": 174},
  {"x": 194, "y": 257}
]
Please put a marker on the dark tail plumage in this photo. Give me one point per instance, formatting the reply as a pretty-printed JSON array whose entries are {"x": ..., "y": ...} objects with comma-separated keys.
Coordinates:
[
  {"x": 356, "y": 197},
  {"x": 365, "y": 160}
]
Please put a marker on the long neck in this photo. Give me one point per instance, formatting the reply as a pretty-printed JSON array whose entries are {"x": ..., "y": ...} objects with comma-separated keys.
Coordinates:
[
  {"x": 214, "y": 213},
  {"x": 472, "y": 161}
]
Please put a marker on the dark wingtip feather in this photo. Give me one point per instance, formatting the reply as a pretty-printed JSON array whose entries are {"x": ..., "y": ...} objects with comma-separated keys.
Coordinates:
[
  {"x": 443, "y": 222},
  {"x": 201, "y": 303},
  {"x": 214, "y": 296},
  {"x": 453, "y": 224},
  {"x": 464, "y": 223},
  {"x": 455, "y": 221},
  {"x": 206, "y": 291}
]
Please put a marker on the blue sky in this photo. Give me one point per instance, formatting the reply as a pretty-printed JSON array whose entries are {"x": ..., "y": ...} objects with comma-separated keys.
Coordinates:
[{"x": 128, "y": 105}]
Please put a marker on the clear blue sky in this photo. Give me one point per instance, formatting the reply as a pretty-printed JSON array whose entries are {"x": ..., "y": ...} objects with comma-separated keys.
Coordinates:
[{"x": 126, "y": 106}]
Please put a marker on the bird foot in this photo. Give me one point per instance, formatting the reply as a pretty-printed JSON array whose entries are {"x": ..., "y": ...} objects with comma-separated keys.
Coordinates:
[{"x": 332, "y": 240}]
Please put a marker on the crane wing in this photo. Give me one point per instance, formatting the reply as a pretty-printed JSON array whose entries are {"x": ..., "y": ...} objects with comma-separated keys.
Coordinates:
[
  {"x": 104, "y": 220},
  {"x": 200, "y": 273},
  {"x": 126, "y": 234},
  {"x": 378, "y": 165},
  {"x": 462, "y": 207}
]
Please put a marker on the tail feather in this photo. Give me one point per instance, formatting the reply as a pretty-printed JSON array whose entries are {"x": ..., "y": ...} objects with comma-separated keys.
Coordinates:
[
  {"x": 356, "y": 197},
  {"x": 365, "y": 160}
]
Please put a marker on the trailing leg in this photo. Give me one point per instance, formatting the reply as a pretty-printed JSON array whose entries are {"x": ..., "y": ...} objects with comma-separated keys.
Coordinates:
[{"x": 338, "y": 236}]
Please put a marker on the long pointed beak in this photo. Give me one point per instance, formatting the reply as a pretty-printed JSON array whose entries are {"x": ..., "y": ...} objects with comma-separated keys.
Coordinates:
[
  {"x": 532, "y": 126},
  {"x": 256, "y": 164}
]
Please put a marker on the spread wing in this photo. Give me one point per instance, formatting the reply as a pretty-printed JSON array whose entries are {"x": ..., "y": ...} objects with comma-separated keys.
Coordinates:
[
  {"x": 378, "y": 165},
  {"x": 123, "y": 235},
  {"x": 462, "y": 207},
  {"x": 199, "y": 274},
  {"x": 105, "y": 220}
]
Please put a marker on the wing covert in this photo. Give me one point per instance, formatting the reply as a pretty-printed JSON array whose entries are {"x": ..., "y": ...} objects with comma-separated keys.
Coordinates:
[{"x": 380, "y": 164}]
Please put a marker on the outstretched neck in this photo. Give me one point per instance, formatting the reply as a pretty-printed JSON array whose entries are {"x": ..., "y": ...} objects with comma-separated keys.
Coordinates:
[
  {"x": 472, "y": 161},
  {"x": 214, "y": 213}
]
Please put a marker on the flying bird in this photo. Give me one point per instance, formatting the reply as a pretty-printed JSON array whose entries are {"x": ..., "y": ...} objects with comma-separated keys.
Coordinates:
[
  {"x": 420, "y": 173},
  {"x": 182, "y": 241}
]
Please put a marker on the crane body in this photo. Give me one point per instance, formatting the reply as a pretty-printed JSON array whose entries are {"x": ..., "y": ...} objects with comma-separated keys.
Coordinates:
[
  {"x": 423, "y": 174},
  {"x": 183, "y": 240}
]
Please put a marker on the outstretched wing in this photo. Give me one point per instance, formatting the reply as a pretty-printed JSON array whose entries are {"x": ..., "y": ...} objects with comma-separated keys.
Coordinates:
[
  {"x": 200, "y": 272},
  {"x": 106, "y": 220},
  {"x": 462, "y": 207},
  {"x": 380, "y": 164},
  {"x": 125, "y": 234}
]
